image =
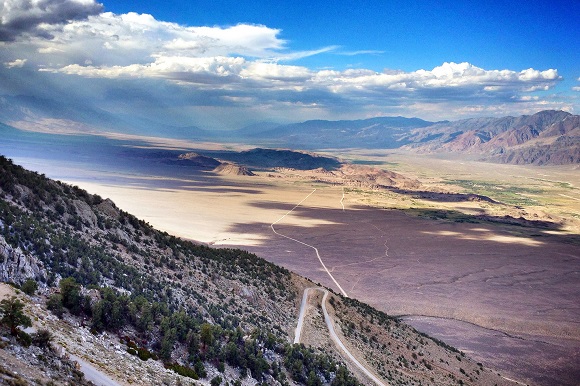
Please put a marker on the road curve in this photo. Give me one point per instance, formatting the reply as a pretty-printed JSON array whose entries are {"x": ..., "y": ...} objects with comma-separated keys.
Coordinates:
[
  {"x": 308, "y": 245},
  {"x": 331, "y": 331},
  {"x": 93, "y": 374}
]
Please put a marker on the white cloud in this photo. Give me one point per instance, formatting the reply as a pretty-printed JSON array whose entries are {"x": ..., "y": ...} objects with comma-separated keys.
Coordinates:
[
  {"x": 274, "y": 71},
  {"x": 245, "y": 66},
  {"x": 576, "y": 88},
  {"x": 26, "y": 16},
  {"x": 18, "y": 63},
  {"x": 448, "y": 76},
  {"x": 140, "y": 36}
]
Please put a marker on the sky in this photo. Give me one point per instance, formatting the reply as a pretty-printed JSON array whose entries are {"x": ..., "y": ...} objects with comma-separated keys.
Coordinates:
[{"x": 225, "y": 64}]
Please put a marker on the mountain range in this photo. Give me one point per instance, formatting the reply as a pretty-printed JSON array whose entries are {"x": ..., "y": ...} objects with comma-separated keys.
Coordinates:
[{"x": 545, "y": 138}]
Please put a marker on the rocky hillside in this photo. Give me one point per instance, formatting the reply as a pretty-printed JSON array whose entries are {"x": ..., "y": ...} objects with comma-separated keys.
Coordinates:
[
  {"x": 123, "y": 296},
  {"x": 547, "y": 137}
]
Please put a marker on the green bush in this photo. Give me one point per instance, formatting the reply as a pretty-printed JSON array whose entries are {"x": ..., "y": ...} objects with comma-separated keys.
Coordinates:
[
  {"x": 29, "y": 287},
  {"x": 182, "y": 370},
  {"x": 13, "y": 315},
  {"x": 54, "y": 304}
]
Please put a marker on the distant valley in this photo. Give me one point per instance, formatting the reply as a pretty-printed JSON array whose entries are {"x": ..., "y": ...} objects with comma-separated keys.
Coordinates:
[{"x": 544, "y": 138}]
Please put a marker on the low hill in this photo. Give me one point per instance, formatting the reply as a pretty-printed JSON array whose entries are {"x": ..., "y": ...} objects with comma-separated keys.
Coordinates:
[
  {"x": 124, "y": 295},
  {"x": 227, "y": 168},
  {"x": 198, "y": 160},
  {"x": 260, "y": 158}
]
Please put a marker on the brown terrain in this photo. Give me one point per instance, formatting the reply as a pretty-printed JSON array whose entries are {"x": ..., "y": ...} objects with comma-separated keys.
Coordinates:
[
  {"x": 544, "y": 138},
  {"x": 495, "y": 276}
]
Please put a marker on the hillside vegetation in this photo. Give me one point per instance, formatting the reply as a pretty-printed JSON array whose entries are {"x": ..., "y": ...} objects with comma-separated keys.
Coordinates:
[{"x": 213, "y": 315}]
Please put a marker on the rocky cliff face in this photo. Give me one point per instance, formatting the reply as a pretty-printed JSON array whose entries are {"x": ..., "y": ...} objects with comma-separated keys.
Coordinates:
[{"x": 17, "y": 266}]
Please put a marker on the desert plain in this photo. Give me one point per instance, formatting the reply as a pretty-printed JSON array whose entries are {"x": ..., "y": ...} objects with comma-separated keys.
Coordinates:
[{"x": 485, "y": 257}]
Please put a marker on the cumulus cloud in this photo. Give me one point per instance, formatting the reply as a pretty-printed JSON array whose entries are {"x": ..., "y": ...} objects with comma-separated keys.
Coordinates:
[
  {"x": 455, "y": 77},
  {"x": 17, "y": 63},
  {"x": 461, "y": 79},
  {"x": 28, "y": 16}
]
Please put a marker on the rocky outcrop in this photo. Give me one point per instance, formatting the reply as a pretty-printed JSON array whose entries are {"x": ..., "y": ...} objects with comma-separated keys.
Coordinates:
[
  {"x": 17, "y": 266},
  {"x": 233, "y": 169},
  {"x": 198, "y": 160},
  {"x": 85, "y": 212},
  {"x": 109, "y": 208}
]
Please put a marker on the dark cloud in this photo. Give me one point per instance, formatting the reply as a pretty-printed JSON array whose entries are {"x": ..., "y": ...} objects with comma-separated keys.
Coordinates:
[{"x": 24, "y": 16}]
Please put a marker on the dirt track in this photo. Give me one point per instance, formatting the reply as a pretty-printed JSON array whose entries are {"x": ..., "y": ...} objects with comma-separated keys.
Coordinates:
[{"x": 334, "y": 337}]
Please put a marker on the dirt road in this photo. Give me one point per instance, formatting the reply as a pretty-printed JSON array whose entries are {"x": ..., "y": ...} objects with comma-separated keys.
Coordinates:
[
  {"x": 332, "y": 332},
  {"x": 307, "y": 245}
]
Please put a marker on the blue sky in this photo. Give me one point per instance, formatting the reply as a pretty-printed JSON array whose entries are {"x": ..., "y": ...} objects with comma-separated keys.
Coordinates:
[
  {"x": 409, "y": 34},
  {"x": 223, "y": 64}
]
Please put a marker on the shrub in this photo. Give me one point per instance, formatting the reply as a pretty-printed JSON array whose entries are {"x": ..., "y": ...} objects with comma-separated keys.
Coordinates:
[
  {"x": 42, "y": 338},
  {"x": 29, "y": 287},
  {"x": 182, "y": 370},
  {"x": 24, "y": 338},
  {"x": 54, "y": 304}
]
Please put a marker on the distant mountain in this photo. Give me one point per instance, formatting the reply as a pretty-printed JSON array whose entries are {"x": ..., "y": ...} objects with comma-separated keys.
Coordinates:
[
  {"x": 383, "y": 132},
  {"x": 547, "y": 137},
  {"x": 253, "y": 130}
]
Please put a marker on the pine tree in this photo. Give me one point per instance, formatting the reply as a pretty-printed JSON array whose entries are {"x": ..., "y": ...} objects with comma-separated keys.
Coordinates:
[{"x": 13, "y": 315}]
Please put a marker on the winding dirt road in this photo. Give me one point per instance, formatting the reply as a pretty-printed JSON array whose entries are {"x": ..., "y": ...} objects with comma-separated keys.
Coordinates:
[
  {"x": 327, "y": 318},
  {"x": 308, "y": 245},
  {"x": 332, "y": 332}
]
